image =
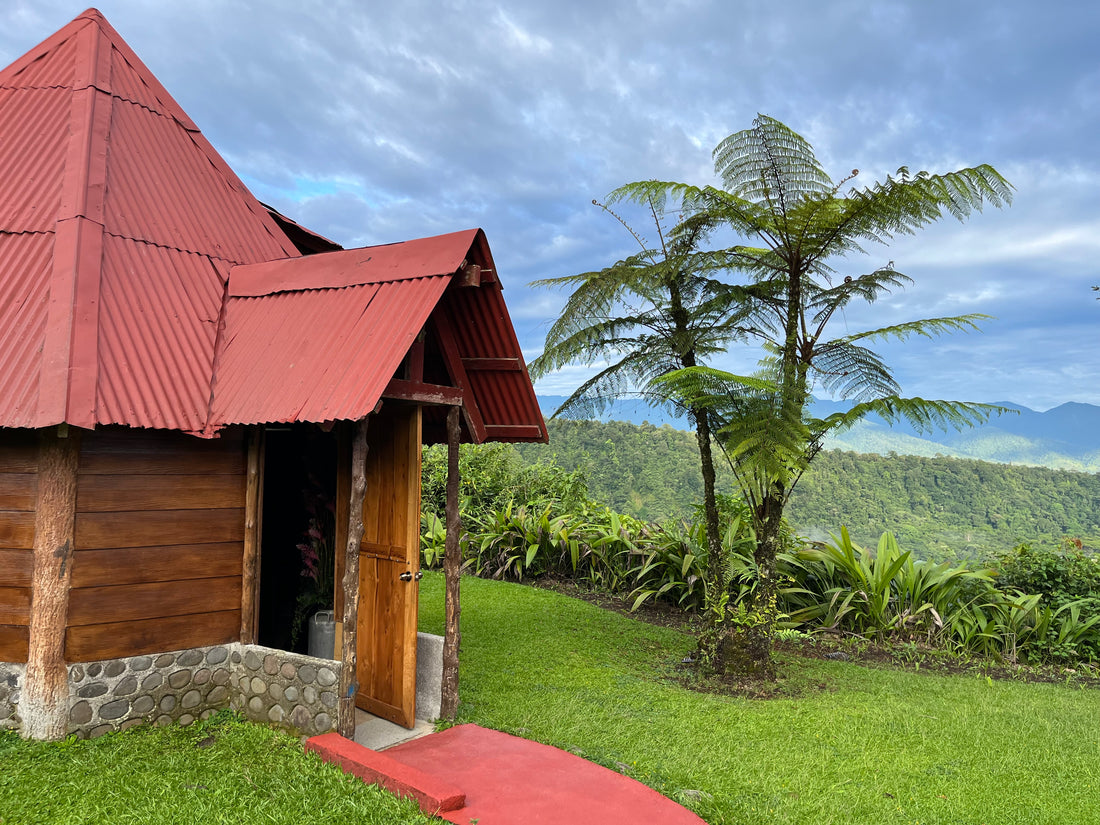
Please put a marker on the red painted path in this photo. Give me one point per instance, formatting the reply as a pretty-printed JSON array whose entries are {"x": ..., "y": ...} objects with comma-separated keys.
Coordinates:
[{"x": 512, "y": 781}]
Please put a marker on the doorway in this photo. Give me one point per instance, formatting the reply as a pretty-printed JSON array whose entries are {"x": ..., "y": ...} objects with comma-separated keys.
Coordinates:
[{"x": 298, "y": 537}]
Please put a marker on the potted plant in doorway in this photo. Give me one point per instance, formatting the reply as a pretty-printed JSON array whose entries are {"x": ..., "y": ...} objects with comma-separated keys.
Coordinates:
[{"x": 317, "y": 549}]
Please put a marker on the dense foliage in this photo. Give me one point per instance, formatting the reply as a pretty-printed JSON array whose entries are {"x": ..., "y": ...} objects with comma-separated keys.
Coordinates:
[
  {"x": 1037, "y": 602},
  {"x": 938, "y": 507}
]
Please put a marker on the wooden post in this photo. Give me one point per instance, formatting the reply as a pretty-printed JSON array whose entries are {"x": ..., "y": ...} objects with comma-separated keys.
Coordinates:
[
  {"x": 253, "y": 517},
  {"x": 45, "y": 703},
  {"x": 348, "y": 683},
  {"x": 452, "y": 566}
]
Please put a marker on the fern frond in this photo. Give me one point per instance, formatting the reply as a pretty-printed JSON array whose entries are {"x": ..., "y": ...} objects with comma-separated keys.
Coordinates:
[
  {"x": 769, "y": 161},
  {"x": 922, "y": 414},
  {"x": 927, "y": 327},
  {"x": 850, "y": 371}
]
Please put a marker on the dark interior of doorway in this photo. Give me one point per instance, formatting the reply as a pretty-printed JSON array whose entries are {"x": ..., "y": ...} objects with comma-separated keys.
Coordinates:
[{"x": 299, "y": 494}]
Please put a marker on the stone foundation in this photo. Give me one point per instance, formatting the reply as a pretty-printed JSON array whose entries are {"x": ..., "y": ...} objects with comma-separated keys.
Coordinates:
[
  {"x": 11, "y": 680},
  {"x": 294, "y": 692}
]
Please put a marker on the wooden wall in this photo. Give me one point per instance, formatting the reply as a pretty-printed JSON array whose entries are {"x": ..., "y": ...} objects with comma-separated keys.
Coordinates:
[
  {"x": 18, "y": 489},
  {"x": 159, "y": 543}
]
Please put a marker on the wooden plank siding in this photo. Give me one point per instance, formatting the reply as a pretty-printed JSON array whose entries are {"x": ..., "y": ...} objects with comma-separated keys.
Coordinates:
[
  {"x": 18, "y": 494},
  {"x": 159, "y": 543}
]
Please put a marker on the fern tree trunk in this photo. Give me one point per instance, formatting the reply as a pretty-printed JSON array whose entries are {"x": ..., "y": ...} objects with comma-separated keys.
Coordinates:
[
  {"x": 710, "y": 500},
  {"x": 741, "y": 645}
]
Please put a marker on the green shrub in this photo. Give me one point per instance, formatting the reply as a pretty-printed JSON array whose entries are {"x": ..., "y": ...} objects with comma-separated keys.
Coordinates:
[
  {"x": 493, "y": 476},
  {"x": 1061, "y": 574}
]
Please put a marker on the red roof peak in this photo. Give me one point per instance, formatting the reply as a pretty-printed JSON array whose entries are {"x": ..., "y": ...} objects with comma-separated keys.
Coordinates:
[
  {"x": 119, "y": 226},
  {"x": 119, "y": 223}
]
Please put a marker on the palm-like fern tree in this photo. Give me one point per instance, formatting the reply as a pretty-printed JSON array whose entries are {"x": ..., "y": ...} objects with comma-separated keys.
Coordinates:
[
  {"x": 653, "y": 313},
  {"x": 796, "y": 221}
]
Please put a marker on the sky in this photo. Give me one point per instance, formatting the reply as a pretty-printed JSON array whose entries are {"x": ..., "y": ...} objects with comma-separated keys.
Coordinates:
[{"x": 374, "y": 122}]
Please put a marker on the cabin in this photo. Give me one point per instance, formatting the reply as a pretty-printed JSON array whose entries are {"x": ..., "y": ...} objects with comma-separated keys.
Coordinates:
[{"x": 203, "y": 405}]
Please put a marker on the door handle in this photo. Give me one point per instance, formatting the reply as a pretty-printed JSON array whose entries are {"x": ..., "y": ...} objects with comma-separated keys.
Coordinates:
[{"x": 407, "y": 576}]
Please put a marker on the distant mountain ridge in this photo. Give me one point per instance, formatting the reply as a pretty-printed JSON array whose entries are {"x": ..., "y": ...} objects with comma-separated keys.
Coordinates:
[{"x": 1065, "y": 437}]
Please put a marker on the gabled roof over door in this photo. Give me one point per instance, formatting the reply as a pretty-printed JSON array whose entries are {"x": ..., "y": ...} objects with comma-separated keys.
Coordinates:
[{"x": 319, "y": 338}]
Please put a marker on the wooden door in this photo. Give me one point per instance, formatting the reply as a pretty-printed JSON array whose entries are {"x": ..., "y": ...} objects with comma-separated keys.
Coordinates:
[{"x": 389, "y": 566}]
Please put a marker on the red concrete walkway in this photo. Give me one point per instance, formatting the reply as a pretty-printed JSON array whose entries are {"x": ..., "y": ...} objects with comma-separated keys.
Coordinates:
[{"x": 508, "y": 781}]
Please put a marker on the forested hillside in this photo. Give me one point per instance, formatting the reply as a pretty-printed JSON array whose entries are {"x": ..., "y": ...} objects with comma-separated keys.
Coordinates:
[{"x": 936, "y": 506}]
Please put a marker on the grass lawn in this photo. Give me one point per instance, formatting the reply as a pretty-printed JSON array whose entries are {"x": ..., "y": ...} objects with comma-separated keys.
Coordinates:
[
  {"x": 211, "y": 772},
  {"x": 854, "y": 745},
  {"x": 872, "y": 746}
]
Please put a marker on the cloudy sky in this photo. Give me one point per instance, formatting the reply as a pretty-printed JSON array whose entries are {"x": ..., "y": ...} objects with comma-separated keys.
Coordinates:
[{"x": 374, "y": 122}]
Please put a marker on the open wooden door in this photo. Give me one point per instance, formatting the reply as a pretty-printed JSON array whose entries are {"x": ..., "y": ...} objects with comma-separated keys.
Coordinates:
[{"x": 389, "y": 567}]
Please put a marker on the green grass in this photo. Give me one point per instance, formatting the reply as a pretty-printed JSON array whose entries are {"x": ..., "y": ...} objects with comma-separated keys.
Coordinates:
[
  {"x": 851, "y": 745},
  {"x": 212, "y": 772},
  {"x": 872, "y": 746}
]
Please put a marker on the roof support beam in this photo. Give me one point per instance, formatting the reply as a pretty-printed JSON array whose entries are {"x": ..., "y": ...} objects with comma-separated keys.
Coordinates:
[
  {"x": 452, "y": 568},
  {"x": 452, "y": 358},
  {"x": 253, "y": 530},
  {"x": 493, "y": 364},
  {"x": 421, "y": 393},
  {"x": 350, "y": 582},
  {"x": 45, "y": 703}
]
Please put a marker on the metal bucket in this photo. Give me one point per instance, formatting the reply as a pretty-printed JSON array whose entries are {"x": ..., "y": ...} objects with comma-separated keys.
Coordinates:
[{"x": 322, "y": 634}]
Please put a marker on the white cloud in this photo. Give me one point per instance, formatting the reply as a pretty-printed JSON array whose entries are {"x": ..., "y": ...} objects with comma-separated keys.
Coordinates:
[{"x": 376, "y": 122}]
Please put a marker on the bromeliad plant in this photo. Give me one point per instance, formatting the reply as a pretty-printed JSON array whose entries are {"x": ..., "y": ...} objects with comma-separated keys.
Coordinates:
[
  {"x": 318, "y": 553},
  {"x": 837, "y": 586},
  {"x": 884, "y": 593}
]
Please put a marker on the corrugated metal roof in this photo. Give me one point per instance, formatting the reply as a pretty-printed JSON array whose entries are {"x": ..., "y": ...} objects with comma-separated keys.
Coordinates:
[
  {"x": 319, "y": 354},
  {"x": 24, "y": 292},
  {"x": 437, "y": 255},
  {"x": 495, "y": 371},
  {"x": 319, "y": 338},
  {"x": 136, "y": 221},
  {"x": 142, "y": 284},
  {"x": 34, "y": 125},
  {"x": 158, "y": 316}
]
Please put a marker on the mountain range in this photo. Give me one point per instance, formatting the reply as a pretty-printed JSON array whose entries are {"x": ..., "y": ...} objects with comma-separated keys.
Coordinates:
[{"x": 1065, "y": 437}]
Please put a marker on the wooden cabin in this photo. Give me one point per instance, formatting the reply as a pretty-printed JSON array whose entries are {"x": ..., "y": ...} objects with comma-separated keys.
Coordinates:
[{"x": 177, "y": 363}]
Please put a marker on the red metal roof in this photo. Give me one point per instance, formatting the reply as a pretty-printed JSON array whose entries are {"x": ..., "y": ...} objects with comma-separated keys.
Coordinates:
[
  {"x": 318, "y": 338},
  {"x": 141, "y": 283},
  {"x": 118, "y": 226}
]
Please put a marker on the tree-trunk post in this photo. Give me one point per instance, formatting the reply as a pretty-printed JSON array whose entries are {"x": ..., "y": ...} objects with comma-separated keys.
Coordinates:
[
  {"x": 348, "y": 682},
  {"x": 452, "y": 566},
  {"x": 253, "y": 516},
  {"x": 44, "y": 706}
]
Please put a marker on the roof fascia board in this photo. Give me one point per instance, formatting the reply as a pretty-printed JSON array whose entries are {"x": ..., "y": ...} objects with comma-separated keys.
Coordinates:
[{"x": 452, "y": 359}]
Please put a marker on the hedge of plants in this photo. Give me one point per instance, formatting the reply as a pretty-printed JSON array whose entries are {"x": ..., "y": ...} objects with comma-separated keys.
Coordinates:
[{"x": 1031, "y": 604}]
